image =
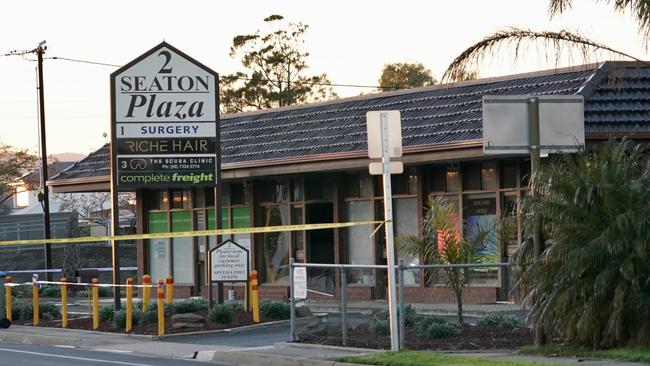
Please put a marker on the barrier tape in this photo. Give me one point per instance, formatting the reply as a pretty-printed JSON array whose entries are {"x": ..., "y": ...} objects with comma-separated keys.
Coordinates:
[
  {"x": 245, "y": 230},
  {"x": 14, "y": 284}
]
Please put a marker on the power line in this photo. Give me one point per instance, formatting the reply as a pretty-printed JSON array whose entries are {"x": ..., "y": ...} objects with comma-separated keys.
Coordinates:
[
  {"x": 238, "y": 78},
  {"x": 82, "y": 61}
]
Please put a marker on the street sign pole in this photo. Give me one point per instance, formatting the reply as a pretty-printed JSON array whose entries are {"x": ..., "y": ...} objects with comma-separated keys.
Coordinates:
[{"x": 390, "y": 241}]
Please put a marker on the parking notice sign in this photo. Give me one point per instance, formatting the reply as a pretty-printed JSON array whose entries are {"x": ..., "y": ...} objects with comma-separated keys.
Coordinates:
[
  {"x": 165, "y": 121},
  {"x": 229, "y": 262},
  {"x": 300, "y": 283}
]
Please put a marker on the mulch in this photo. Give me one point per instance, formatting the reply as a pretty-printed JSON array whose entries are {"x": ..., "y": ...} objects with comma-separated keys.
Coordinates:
[
  {"x": 240, "y": 319},
  {"x": 472, "y": 337}
]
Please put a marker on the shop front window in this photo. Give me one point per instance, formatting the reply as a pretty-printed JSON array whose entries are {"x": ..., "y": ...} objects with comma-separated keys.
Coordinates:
[
  {"x": 406, "y": 223},
  {"x": 183, "y": 248},
  {"x": 159, "y": 256},
  {"x": 360, "y": 245},
  {"x": 480, "y": 214},
  {"x": 273, "y": 248}
]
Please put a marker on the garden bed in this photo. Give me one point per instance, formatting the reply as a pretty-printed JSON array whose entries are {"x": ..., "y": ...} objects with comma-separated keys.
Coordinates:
[
  {"x": 240, "y": 319},
  {"x": 181, "y": 317},
  {"x": 471, "y": 337}
]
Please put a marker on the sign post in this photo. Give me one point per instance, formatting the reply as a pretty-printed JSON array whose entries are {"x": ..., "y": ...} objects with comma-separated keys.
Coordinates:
[
  {"x": 385, "y": 141},
  {"x": 536, "y": 125},
  {"x": 229, "y": 262},
  {"x": 164, "y": 128}
]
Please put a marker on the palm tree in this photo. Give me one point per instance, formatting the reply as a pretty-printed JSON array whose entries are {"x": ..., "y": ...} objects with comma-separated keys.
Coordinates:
[
  {"x": 441, "y": 243},
  {"x": 591, "y": 284},
  {"x": 558, "y": 42}
]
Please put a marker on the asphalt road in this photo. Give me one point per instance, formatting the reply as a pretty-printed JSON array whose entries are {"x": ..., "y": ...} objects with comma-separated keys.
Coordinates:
[{"x": 12, "y": 354}]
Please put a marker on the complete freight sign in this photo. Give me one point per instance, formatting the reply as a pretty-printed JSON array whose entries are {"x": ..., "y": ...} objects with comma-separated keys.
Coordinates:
[{"x": 165, "y": 121}]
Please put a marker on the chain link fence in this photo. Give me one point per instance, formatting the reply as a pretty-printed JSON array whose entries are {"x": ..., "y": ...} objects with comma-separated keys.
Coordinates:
[{"x": 357, "y": 305}]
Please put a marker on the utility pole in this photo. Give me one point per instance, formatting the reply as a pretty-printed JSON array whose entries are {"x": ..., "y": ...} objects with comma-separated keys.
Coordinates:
[{"x": 44, "y": 196}]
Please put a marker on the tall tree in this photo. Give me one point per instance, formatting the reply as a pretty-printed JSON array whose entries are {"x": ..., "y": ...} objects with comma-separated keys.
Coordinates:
[
  {"x": 404, "y": 75},
  {"x": 276, "y": 66},
  {"x": 13, "y": 163},
  {"x": 558, "y": 44}
]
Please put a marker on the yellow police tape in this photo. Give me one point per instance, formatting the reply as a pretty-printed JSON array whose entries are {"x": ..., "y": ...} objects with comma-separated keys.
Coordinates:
[{"x": 244, "y": 230}]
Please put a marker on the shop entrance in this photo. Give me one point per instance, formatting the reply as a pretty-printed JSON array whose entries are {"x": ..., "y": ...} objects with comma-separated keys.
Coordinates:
[{"x": 320, "y": 246}]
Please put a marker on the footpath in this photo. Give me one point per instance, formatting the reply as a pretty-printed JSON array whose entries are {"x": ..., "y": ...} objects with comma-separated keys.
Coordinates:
[{"x": 276, "y": 354}]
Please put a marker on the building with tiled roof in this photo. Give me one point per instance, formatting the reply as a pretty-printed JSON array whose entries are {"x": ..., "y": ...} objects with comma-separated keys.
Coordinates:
[{"x": 308, "y": 164}]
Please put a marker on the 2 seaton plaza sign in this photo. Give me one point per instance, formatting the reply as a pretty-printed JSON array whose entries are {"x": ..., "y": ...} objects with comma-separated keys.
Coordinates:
[{"x": 165, "y": 119}]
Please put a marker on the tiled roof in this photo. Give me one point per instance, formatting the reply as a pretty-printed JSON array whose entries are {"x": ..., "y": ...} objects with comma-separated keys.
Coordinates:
[
  {"x": 617, "y": 100},
  {"x": 96, "y": 164}
]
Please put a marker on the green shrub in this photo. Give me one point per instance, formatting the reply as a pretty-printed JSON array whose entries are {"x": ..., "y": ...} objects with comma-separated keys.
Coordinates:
[
  {"x": 190, "y": 306},
  {"x": 50, "y": 291},
  {"x": 423, "y": 323},
  {"x": 101, "y": 292},
  {"x": 379, "y": 326},
  {"x": 235, "y": 306},
  {"x": 17, "y": 308},
  {"x": 410, "y": 316},
  {"x": 221, "y": 314},
  {"x": 438, "y": 330},
  {"x": 501, "y": 320},
  {"x": 25, "y": 311},
  {"x": 48, "y": 311},
  {"x": 277, "y": 310},
  {"x": 119, "y": 318},
  {"x": 151, "y": 312},
  {"x": 379, "y": 323},
  {"x": 106, "y": 313}
]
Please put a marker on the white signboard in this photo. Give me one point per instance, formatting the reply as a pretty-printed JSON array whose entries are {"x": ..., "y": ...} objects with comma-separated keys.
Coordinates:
[
  {"x": 164, "y": 121},
  {"x": 300, "y": 283},
  {"x": 229, "y": 262},
  {"x": 373, "y": 127},
  {"x": 506, "y": 123}
]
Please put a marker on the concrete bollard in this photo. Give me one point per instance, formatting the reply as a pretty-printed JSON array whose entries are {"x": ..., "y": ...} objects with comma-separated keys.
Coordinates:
[
  {"x": 8, "y": 308},
  {"x": 95, "y": 303},
  {"x": 146, "y": 291},
  {"x": 129, "y": 304},
  {"x": 64, "y": 303},
  {"x": 169, "y": 290},
  {"x": 161, "y": 309},
  {"x": 255, "y": 303}
]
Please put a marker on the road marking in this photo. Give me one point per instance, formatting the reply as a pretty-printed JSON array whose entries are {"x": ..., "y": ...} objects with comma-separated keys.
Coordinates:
[
  {"x": 73, "y": 357},
  {"x": 112, "y": 350},
  {"x": 62, "y": 346}
]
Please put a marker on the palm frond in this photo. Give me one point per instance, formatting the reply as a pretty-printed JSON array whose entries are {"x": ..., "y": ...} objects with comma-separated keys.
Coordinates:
[{"x": 561, "y": 43}]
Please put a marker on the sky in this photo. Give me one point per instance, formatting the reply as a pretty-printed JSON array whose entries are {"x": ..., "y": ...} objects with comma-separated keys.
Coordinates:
[{"x": 348, "y": 40}]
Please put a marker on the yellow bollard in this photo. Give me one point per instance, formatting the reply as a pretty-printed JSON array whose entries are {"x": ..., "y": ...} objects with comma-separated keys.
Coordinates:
[
  {"x": 95, "y": 304},
  {"x": 129, "y": 304},
  {"x": 247, "y": 288},
  {"x": 255, "y": 303},
  {"x": 161, "y": 309},
  {"x": 169, "y": 290},
  {"x": 64, "y": 303},
  {"x": 35, "y": 303},
  {"x": 146, "y": 281},
  {"x": 8, "y": 309}
]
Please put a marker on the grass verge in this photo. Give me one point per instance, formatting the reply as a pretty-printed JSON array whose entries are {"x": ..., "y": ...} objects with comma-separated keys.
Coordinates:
[
  {"x": 414, "y": 358},
  {"x": 625, "y": 354}
]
